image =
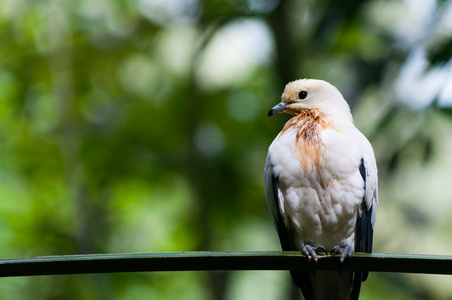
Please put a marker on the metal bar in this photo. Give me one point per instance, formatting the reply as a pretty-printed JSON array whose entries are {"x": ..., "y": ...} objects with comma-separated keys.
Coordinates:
[{"x": 204, "y": 261}]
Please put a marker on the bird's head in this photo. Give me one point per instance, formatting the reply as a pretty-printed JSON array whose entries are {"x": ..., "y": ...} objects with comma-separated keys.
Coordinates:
[{"x": 306, "y": 94}]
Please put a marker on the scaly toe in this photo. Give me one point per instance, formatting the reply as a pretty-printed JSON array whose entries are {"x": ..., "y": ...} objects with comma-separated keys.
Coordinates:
[
  {"x": 309, "y": 252},
  {"x": 319, "y": 249},
  {"x": 344, "y": 252}
]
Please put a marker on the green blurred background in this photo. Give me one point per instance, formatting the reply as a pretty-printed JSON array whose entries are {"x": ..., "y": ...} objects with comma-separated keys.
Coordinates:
[{"x": 141, "y": 126}]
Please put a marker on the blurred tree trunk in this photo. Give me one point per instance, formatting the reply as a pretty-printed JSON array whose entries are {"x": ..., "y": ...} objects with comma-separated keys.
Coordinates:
[
  {"x": 202, "y": 175},
  {"x": 87, "y": 210},
  {"x": 286, "y": 65},
  {"x": 286, "y": 48}
]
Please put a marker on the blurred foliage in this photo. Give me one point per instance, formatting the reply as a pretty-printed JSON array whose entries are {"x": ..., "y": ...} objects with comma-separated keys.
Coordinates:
[{"x": 140, "y": 125}]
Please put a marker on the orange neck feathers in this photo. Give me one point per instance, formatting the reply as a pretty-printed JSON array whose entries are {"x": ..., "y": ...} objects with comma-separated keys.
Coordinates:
[{"x": 308, "y": 125}]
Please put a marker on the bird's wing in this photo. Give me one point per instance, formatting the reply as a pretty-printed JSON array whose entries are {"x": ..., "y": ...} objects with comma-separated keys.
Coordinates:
[
  {"x": 366, "y": 220},
  {"x": 368, "y": 170},
  {"x": 275, "y": 201}
]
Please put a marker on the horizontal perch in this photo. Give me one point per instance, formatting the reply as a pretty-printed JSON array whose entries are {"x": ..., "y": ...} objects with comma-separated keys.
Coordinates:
[{"x": 207, "y": 261}]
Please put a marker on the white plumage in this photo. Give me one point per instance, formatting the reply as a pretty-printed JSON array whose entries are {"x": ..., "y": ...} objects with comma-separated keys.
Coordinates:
[{"x": 321, "y": 185}]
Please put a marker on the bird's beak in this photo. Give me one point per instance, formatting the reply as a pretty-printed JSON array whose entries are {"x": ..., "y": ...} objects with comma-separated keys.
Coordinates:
[{"x": 277, "y": 108}]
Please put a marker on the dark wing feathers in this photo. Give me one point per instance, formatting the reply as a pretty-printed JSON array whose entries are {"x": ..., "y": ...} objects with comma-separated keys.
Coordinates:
[
  {"x": 364, "y": 235},
  {"x": 365, "y": 228},
  {"x": 283, "y": 233}
]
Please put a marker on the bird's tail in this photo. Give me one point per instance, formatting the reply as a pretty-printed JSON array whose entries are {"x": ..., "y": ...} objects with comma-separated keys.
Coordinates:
[{"x": 324, "y": 285}]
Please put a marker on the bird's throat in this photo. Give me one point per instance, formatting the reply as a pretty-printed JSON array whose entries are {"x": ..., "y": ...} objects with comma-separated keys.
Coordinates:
[{"x": 308, "y": 125}]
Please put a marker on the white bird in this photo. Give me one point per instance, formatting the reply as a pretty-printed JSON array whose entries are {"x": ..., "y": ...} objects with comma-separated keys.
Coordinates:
[{"x": 321, "y": 185}]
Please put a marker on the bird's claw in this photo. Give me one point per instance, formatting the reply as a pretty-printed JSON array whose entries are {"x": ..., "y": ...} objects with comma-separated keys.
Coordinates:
[
  {"x": 344, "y": 252},
  {"x": 311, "y": 252}
]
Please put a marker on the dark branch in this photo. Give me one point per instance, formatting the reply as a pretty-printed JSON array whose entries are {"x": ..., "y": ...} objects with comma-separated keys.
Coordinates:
[{"x": 204, "y": 261}]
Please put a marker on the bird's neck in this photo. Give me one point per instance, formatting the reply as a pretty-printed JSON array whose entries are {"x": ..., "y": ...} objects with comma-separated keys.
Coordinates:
[{"x": 309, "y": 123}]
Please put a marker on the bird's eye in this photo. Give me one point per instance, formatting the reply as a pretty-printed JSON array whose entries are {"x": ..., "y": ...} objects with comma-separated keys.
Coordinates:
[{"x": 302, "y": 94}]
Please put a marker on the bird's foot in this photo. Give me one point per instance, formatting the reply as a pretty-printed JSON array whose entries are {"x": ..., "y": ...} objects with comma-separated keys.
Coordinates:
[
  {"x": 344, "y": 252},
  {"x": 311, "y": 252}
]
